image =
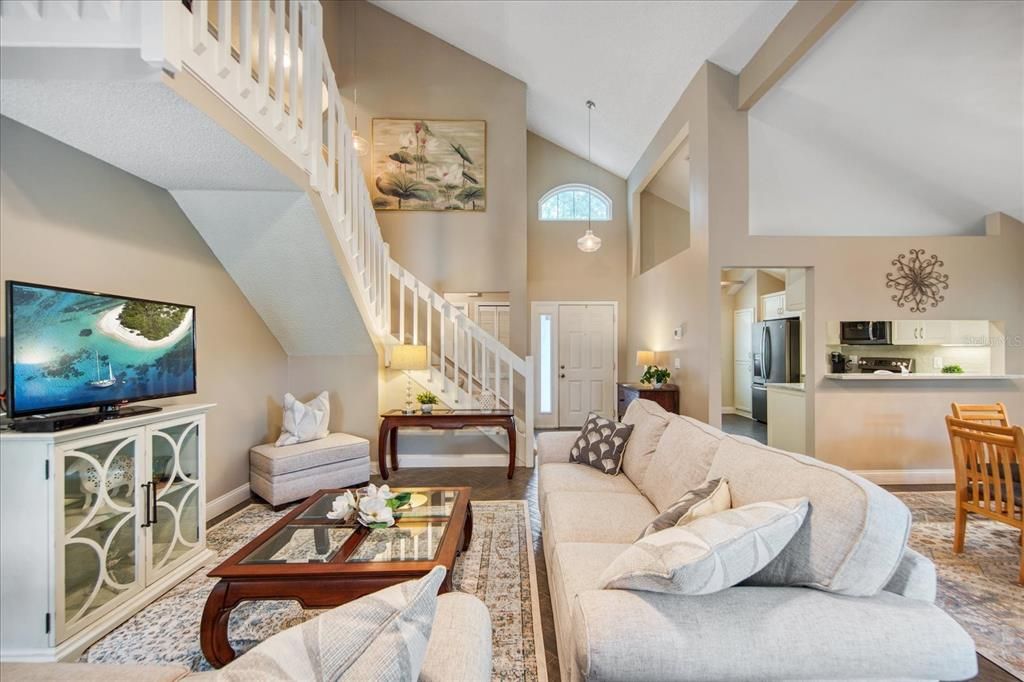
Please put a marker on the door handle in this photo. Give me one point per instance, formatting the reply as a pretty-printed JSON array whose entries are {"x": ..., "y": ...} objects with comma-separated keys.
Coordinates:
[
  {"x": 561, "y": 376},
  {"x": 146, "y": 487}
]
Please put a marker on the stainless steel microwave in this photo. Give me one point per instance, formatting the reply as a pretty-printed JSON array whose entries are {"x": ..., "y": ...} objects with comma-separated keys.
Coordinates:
[{"x": 866, "y": 333}]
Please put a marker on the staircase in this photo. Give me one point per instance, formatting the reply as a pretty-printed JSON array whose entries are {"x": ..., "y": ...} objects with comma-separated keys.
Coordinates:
[{"x": 294, "y": 102}]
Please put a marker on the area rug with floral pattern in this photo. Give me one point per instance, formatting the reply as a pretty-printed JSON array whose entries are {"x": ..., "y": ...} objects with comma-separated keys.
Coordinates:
[
  {"x": 978, "y": 588},
  {"x": 498, "y": 568}
]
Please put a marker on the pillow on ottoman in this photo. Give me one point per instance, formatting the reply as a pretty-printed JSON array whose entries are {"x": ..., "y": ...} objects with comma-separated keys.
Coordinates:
[
  {"x": 600, "y": 444},
  {"x": 304, "y": 421},
  {"x": 709, "y": 554}
]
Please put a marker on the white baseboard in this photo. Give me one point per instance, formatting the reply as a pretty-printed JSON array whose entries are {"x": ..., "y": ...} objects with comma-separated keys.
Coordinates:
[
  {"x": 467, "y": 460},
  {"x": 219, "y": 505},
  {"x": 728, "y": 410},
  {"x": 907, "y": 476}
]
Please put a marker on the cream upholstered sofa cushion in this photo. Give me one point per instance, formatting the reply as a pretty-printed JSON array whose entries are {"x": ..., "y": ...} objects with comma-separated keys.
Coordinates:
[
  {"x": 855, "y": 532},
  {"x": 649, "y": 420},
  {"x": 595, "y": 517},
  {"x": 708, "y": 554},
  {"x": 564, "y": 478},
  {"x": 681, "y": 460}
]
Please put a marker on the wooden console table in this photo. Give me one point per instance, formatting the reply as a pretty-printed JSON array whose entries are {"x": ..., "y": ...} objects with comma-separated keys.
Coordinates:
[
  {"x": 392, "y": 420},
  {"x": 667, "y": 395}
]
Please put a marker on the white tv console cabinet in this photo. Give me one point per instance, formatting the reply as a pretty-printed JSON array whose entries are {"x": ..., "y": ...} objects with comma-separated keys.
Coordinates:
[{"x": 95, "y": 523}]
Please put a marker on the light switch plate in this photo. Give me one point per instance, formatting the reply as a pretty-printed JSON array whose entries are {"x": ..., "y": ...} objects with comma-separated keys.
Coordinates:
[
  {"x": 936, "y": 362},
  {"x": 677, "y": 333},
  {"x": 676, "y": 363}
]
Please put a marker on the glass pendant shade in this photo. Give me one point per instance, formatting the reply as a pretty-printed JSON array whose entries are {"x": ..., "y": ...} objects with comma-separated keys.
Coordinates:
[
  {"x": 589, "y": 242},
  {"x": 360, "y": 144}
]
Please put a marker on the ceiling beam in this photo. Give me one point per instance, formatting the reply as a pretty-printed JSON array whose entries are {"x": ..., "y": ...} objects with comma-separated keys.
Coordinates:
[{"x": 795, "y": 35}]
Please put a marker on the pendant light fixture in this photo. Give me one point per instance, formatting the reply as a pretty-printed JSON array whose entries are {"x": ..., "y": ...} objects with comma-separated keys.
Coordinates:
[
  {"x": 589, "y": 242},
  {"x": 359, "y": 142}
]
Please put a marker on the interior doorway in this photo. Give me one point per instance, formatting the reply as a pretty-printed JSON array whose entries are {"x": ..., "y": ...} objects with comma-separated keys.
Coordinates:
[{"x": 575, "y": 346}]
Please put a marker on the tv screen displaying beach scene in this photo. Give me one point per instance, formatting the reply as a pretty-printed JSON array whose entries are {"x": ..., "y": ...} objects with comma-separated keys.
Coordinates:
[{"x": 71, "y": 349}]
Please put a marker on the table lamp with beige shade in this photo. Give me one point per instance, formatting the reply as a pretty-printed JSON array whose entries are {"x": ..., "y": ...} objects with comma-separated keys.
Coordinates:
[
  {"x": 646, "y": 358},
  {"x": 408, "y": 357}
]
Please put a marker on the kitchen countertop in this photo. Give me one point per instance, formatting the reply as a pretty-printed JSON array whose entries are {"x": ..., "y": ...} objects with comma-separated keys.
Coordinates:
[
  {"x": 792, "y": 388},
  {"x": 923, "y": 377}
]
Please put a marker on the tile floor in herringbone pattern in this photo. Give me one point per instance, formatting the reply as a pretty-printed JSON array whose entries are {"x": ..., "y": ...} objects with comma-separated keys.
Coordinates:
[{"x": 489, "y": 483}]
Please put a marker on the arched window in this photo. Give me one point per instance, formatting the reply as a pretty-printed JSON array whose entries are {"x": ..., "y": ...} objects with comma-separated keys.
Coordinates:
[{"x": 574, "y": 202}]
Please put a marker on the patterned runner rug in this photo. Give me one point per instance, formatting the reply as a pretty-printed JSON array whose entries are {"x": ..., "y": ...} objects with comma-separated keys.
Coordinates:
[
  {"x": 979, "y": 587},
  {"x": 498, "y": 568}
]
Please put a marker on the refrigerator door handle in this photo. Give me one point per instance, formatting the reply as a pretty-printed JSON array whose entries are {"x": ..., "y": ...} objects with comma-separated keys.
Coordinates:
[{"x": 767, "y": 355}]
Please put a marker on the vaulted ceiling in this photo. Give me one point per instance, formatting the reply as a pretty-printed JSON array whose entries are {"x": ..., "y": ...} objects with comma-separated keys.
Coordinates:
[
  {"x": 907, "y": 118},
  {"x": 634, "y": 59}
]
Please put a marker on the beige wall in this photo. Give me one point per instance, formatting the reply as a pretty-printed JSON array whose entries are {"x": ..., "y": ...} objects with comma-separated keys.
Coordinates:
[
  {"x": 868, "y": 427},
  {"x": 676, "y": 292},
  {"x": 664, "y": 230},
  {"x": 70, "y": 220},
  {"x": 556, "y": 269},
  {"x": 352, "y": 383},
  {"x": 404, "y": 72}
]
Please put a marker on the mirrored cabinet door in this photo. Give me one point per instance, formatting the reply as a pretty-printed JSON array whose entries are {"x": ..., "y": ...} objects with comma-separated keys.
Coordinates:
[
  {"x": 99, "y": 549},
  {"x": 176, "y": 462}
]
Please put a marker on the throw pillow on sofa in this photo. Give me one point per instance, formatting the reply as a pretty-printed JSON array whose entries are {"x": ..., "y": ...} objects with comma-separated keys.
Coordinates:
[
  {"x": 304, "y": 421},
  {"x": 710, "y": 498},
  {"x": 710, "y": 553},
  {"x": 382, "y": 636},
  {"x": 600, "y": 444}
]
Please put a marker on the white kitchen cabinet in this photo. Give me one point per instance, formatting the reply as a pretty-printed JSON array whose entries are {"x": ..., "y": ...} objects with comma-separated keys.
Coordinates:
[
  {"x": 787, "y": 418},
  {"x": 969, "y": 332},
  {"x": 773, "y": 306},
  {"x": 940, "y": 332},
  {"x": 832, "y": 329},
  {"x": 920, "y": 332},
  {"x": 796, "y": 290},
  {"x": 95, "y": 523}
]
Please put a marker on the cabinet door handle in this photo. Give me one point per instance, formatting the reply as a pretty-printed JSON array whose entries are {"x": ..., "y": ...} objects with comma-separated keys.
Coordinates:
[
  {"x": 146, "y": 487},
  {"x": 154, "y": 521},
  {"x": 561, "y": 376}
]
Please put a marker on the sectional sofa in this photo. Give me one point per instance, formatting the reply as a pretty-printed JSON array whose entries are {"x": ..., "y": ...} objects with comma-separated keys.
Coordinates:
[{"x": 846, "y": 598}]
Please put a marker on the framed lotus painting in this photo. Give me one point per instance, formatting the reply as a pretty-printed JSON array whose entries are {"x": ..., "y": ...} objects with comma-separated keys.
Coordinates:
[{"x": 429, "y": 165}]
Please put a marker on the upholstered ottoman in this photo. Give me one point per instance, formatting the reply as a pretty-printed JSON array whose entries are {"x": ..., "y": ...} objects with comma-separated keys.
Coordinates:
[{"x": 294, "y": 472}]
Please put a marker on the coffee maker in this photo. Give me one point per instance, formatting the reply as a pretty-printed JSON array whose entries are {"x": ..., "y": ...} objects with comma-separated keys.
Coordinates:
[{"x": 838, "y": 363}]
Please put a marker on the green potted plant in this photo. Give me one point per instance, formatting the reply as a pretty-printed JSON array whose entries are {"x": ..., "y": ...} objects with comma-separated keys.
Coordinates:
[
  {"x": 427, "y": 400},
  {"x": 952, "y": 369},
  {"x": 655, "y": 375}
]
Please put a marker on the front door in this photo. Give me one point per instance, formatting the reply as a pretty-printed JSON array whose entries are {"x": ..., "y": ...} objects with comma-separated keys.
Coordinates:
[{"x": 586, "y": 362}]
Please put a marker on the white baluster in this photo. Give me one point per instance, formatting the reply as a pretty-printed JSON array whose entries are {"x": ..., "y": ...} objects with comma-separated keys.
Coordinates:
[
  {"x": 456, "y": 333},
  {"x": 497, "y": 379},
  {"x": 263, "y": 66},
  {"x": 223, "y": 39},
  {"x": 469, "y": 367},
  {"x": 244, "y": 47},
  {"x": 444, "y": 362},
  {"x": 401, "y": 305},
  {"x": 332, "y": 140},
  {"x": 200, "y": 26},
  {"x": 279, "y": 37},
  {"x": 430, "y": 330},
  {"x": 416, "y": 314},
  {"x": 293, "y": 71}
]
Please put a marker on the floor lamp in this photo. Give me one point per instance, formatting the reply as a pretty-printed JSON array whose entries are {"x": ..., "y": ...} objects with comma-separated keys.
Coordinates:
[{"x": 408, "y": 357}]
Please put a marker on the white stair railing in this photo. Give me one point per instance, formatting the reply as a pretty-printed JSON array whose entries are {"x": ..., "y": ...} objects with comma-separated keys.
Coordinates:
[{"x": 294, "y": 101}]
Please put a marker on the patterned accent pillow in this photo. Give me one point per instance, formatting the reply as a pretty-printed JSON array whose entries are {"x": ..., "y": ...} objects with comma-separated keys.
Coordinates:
[
  {"x": 601, "y": 444},
  {"x": 382, "y": 636},
  {"x": 708, "y": 554},
  {"x": 304, "y": 421},
  {"x": 710, "y": 498}
]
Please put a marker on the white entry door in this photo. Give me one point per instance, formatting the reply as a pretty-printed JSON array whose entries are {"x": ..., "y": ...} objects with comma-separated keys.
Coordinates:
[
  {"x": 586, "y": 362},
  {"x": 743, "y": 372}
]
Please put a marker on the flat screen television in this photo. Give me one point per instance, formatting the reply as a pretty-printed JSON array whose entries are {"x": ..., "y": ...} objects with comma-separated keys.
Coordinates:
[{"x": 69, "y": 349}]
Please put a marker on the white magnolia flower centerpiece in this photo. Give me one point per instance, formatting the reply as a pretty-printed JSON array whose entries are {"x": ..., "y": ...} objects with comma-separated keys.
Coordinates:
[{"x": 375, "y": 505}]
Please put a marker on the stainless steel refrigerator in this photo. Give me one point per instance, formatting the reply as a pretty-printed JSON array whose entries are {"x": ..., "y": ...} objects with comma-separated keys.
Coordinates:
[{"x": 776, "y": 346}]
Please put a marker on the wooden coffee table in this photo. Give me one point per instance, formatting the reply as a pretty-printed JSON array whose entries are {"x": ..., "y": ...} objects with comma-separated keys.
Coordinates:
[{"x": 322, "y": 563}]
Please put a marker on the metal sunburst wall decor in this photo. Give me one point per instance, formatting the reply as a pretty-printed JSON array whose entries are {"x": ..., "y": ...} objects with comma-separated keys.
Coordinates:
[{"x": 917, "y": 281}]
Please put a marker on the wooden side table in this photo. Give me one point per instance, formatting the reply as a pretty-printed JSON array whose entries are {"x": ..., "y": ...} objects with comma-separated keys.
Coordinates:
[
  {"x": 392, "y": 420},
  {"x": 667, "y": 396}
]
